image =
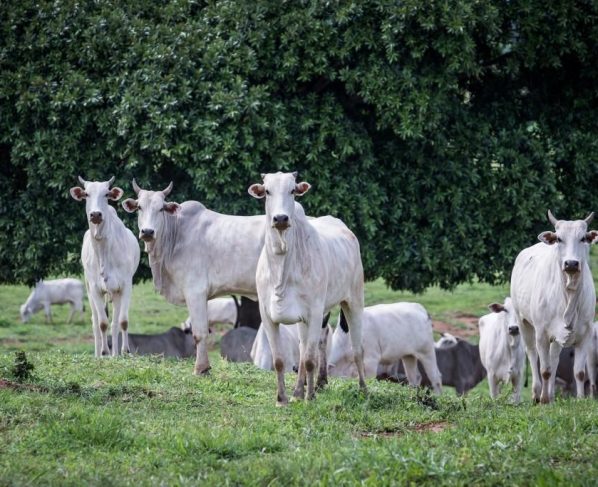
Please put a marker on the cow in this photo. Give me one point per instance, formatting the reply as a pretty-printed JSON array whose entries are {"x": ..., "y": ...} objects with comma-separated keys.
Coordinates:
[
  {"x": 306, "y": 267},
  {"x": 220, "y": 310},
  {"x": 110, "y": 256},
  {"x": 173, "y": 343},
  {"x": 501, "y": 348},
  {"x": 57, "y": 291},
  {"x": 554, "y": 297},
  {"x": 391, "y": 332},
  {"x": 196, "y": 254},
  {"x": 459, "y": 365},
  {"x": 236, "y": 344},
  {"x": 564, "y": 371}
]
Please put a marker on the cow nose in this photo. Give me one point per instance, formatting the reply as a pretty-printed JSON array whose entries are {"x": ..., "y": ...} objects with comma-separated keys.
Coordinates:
[
  {"x": 571, "y": 265},
  {"x": 513, "y": 330},
  {"x": 281, "y": 220},
  {"x": 95, "y": 216},
  {"x": 147, "y": 233}
]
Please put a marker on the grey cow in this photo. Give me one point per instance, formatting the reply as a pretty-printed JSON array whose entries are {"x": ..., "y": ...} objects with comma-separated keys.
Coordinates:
[{"x": 172, "y": 343}]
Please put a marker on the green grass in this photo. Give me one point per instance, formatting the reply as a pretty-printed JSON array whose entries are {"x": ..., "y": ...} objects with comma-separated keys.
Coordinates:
[{"x": 148, "y": 421}]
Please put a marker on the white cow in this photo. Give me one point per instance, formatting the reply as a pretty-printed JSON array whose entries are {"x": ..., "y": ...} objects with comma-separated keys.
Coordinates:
[
  {"x": 197, "y": 254},
  {"x": 554, "y": 297},
  {"x": 391, "y": 332},
  {"x": 501, "y": 348},
  {"x": 261, "y": 353},
  {"x": 57, "y": 291},
  {"x": 110, "y": 256},
  {"x": 220, "y": 310},
  {"x": 306, "y": 267}
]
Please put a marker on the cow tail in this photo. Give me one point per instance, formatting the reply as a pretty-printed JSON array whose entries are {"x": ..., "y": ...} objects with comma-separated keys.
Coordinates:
[
  {"x": 343, "y": 322},
  {"x": 238, "y": 306}
]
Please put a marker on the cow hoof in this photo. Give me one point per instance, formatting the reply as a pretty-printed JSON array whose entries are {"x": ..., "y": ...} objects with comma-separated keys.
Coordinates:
[
  {"x": 321, "y": 385},
  {"x": 544, "y": 400},
  {"x": 204, "y": 372},
  {"x": 282, "y": 404},
  {"x": 297, "y": 396},
  {"x": 104, "y": 353}
]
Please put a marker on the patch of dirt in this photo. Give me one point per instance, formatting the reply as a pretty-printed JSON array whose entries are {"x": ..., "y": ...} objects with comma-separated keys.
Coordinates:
[
  {"x": 468, "y": 328},
  {"x": 433, "y": 427}
]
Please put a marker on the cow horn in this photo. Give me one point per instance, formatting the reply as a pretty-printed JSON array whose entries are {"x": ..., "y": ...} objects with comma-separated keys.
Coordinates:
[
  {"x": 136, "y": 187},
  {"x": 589, "y": 218},
  {"x": 168, "y": 189},
  {"x": 81, "y": 180},
  {"x": 111, "y": 180},
  {"x": 551, "y": 218}
]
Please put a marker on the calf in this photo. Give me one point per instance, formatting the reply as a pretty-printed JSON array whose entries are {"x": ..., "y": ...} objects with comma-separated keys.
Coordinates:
[
  {"x": 58, "y": 291},
  {"x": 391, "y": 332},
  {"x": 110, "y": 256},
  {"x": 306, "y": 267},
  {"x": 173, "y": 343},
  {"x": 501, "y": 348},
  {"x": 236, "y": 344}
]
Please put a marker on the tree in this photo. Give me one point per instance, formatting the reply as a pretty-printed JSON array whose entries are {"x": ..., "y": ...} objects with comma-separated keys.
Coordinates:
[{"x": 439, "y": 131}]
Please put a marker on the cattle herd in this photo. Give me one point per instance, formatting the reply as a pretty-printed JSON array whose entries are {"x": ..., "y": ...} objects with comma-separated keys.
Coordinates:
[{"x": 298, "y": 268}]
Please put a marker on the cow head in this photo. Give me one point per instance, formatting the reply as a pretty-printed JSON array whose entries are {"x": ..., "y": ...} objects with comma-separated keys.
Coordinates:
[
  {"x": 510, "y": 321},
  {"x": 96, "y": 195},
  {"x": 280, "y": 190},
  {"x": 572, "y": 240},
  {"x": 151, "y": 209},
  {"x": 25, "y": 313}
]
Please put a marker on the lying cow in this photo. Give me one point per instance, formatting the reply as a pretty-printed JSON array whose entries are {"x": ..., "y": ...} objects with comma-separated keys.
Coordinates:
[
  {"x": 220, "y": 310},
  {"x": 564, "y": 371},
  {"x": 459, "y": 365},
  {"x": 237, "y": 343},
  {"x": 501, "y": 348},
  {"x": 172, "y": 343},
  {"x": 58, "y": 291},
  {"x": 391, "y": 332}
]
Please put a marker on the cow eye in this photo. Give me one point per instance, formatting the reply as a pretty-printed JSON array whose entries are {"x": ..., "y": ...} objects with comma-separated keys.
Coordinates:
[
  {"x": 559, "y": 240},
  {"x": 583, "y": 239},
  {"x": 267, "y": 192},
  {"x": 107, "y": 194},
  {"x": 293, "y": 191}
]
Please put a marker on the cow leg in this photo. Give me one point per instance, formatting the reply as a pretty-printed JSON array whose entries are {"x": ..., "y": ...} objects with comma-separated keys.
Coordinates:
[
  {"x": 95, "y": 324},
  {"x": 579, "y": 369},
  {"x": 323, "y": 364},
  {"x": 431, "y": 368},
  {"x": 493, "y": 384},
  {"x": 314, "y": 331},
  {"x": 123, "y": 318},
  {"x": 410, "y": 365},
  {"x": 197, "y": 305},
  {"x": 116, "y": 305},
  {"x": 48, "y": 312},
  {"x": 299, "y": 392},
  {"x": 543, "y": 347},
  {"x": 273, "y": 333},
  {"x": 101, "y": 321},
  {"x": 529, "y": 337},
  {"x": 71, "y": 314},
  {"x": 554, "y": 354},
  {"x": 517, "y": 382},
  {"x": 354, "y": 316},
  {"x": 591, "y": 369}
]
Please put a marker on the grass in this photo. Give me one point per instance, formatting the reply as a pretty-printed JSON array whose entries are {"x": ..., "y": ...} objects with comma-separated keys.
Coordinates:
[{"x": 148, "y": 421}]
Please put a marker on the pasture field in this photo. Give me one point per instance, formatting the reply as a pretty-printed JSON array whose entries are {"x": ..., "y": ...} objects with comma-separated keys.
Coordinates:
[{"x": 148, "y": 421}]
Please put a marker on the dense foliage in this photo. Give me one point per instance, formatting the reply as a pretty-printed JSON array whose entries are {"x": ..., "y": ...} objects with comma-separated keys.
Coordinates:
[{"x": 439, "y": 131}]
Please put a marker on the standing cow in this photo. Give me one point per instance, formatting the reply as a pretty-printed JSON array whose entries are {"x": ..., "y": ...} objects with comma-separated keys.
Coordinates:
[
  {"x": 306, "y": 267},
  {"x": 110, "y": 256},
  {"x": 553, "y": 294},
  {"x": 57, "y": 291},
  {"x": 196, "y": 254},
  {"x": 501, "y": 348}
]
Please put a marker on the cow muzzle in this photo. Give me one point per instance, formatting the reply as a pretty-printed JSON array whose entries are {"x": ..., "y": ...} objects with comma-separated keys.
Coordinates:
[
  {"x": 147, "y": 234},
  {"x": 513, "y": 331},
  {"x": 571, "y": 266},
  {"x": 280, "y": 222},
  {"x": 95, "y": 217}
]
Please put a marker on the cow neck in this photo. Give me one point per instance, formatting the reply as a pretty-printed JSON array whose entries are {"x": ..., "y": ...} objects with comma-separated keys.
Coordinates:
[
  {"x": 286, "y": 252},
  {"x": 161, "y": 250},
  {"x": 102, "y": 238}
]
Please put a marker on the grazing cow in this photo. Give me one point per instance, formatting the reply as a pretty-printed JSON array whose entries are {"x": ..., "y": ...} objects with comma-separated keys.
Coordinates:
[
  {"x": 554, "y": 297},
  {"x": 220, "y": 310},
  {"x": 501, "y": 348},
  {"x": 58, "y": 291},
  {"x": 237, "y": 343},
  {"x": 110, "y": 256},
  {"x": 196, "y": 254},
  {"x": 459, "y": 365},
  {"x": 173, "y": 343},
  {"x": 391, "y": 332},
  {"x": 306, "y": 267}
]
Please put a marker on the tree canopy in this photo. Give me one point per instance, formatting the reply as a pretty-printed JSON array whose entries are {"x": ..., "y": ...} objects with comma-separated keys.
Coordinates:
[{"x": 439, "y": 131}]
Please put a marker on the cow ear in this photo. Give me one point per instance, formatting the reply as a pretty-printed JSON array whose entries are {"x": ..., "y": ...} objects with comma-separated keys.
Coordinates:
[
  {"x": 130, "y": 205},
  {"x": 115, "y": 193},
  {"x": 257, "y": 191},
  {"x": 171, "y": 207},
  {"x": 592, "y": 237},
  {"x": 302, "y": 188},
  {"x": 78, "y": 193},
  {"x": 547, "y": 237},
  {"x": 496, "y": 307}
]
